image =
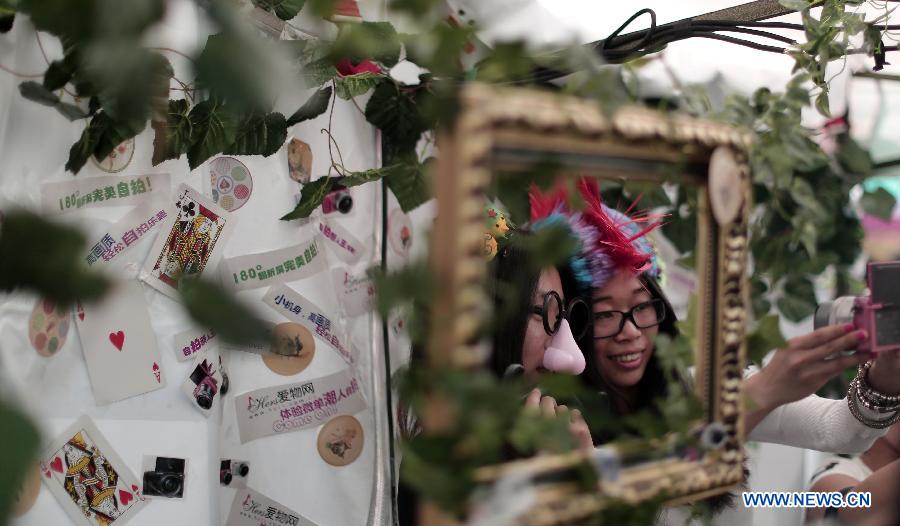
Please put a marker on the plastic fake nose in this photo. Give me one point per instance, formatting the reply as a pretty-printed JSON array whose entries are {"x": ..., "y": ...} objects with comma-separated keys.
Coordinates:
[{"x": 563, "y": 355}]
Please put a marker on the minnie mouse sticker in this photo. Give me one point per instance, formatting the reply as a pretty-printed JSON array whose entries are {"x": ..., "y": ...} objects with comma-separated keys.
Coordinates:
[{"x": 231, "y": 183}]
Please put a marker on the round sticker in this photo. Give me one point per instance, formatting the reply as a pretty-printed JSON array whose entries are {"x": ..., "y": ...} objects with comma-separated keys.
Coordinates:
[
  {"x": 340, "y": 441},
  {"x": 293, "y": 349},
  {"x": 48, "y": 327},
  {"x": 400, "y": 232},
  {"x": 28, "y": 493},
  {"x": 725, "y": 185},
  {"x": 231, "y": 183},
  {"x": 117, "y": 159}
]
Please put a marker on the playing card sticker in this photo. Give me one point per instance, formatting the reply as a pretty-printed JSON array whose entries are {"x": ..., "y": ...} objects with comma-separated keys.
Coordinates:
[
  {"x": 138, "y": 224},
  {"x": 118, "y": 159},
  {"x": 277, "y": 266},
  {"x": 119, "y": 344},
  {"x": 207, "y": 381},
  {"x": 251, "y": 508},
  {"x": 192, "y": 238},
  {"x": 299, "y": 156},
  {"x": 292, "y": 305},
  {"x": 340, "y": 441},
  {"x": 230, "y": 182},
  {"x": 297, "y": 406},
  {"x": 356, "y": 292},
  {"x": 48, "y": 327},
  {"x": 400, "y": 232},
  {"x": 108, "y": 190},
  {"x": 87, "y": 477},
  {"x": 190, "y": 342}
]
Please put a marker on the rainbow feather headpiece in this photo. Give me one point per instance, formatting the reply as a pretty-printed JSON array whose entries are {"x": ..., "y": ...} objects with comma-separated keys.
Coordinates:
[{"x": 609, "y": 240}]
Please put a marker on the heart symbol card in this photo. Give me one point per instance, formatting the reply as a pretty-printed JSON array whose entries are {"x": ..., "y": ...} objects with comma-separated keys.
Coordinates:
[
  {"x": 119, "y": 346},
  {"x": 88, "y": 478}
]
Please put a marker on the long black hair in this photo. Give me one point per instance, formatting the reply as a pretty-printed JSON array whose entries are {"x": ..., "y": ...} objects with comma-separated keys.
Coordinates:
[{"x": 653, "y": 384}]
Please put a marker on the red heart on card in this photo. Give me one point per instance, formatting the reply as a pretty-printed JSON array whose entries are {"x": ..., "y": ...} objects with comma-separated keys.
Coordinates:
[
  {"x": 117, "y": 339},
  {"x": 125, "y": 497},
  {"x": 56, "y": 465},
  {"x": 134, "y": 488},
  {"x": 45, "y": 471}
]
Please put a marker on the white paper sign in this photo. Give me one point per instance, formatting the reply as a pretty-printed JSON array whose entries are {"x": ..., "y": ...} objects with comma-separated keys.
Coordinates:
[
  {"x": 296, "y": 406},
  {"x": 356, "y": 293},
  {"x": 190, "y": 342},
  {"x": 251, "y": 508},
  {"x": 274, "y": 267},
  {"x": 109, "y": 190},
  {"x": 141, "y": 222},
  {"x": 345, "y": 245},
  {"x": 293, "y": 306}
]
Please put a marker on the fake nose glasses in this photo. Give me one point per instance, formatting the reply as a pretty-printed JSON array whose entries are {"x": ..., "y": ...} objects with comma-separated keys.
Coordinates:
[{"x": 563, "y": 354}]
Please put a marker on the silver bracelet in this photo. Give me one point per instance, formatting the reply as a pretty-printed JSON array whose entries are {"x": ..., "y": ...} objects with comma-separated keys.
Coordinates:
[
  {"x": 869, "y": 396},
  {"x": 853, "y": 399}
]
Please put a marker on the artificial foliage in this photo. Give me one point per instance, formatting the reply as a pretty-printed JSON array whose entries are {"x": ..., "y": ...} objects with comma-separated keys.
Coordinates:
[{"x": 117, "y": 86}]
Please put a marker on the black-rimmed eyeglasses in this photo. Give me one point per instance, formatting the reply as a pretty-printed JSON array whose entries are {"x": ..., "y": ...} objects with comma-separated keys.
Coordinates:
[
  {"x": 576, "y": 312},
  {"x": 644, "y": 315}
]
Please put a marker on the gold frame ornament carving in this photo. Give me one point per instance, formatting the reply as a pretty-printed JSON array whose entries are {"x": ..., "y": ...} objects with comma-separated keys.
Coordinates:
[{"x": 633, "y": 144}]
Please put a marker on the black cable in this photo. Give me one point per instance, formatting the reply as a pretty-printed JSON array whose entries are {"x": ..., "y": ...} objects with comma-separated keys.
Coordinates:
[
  {"x": 387, "y": 351},
  {"x": 649, "y": 33}
]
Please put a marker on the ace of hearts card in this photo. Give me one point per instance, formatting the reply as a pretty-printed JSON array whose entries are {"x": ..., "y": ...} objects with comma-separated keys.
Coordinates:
[
  {"x": 89, "y": 480},
  {"x": 191, "y": 239},
  {"x": 119, "y": 345}
]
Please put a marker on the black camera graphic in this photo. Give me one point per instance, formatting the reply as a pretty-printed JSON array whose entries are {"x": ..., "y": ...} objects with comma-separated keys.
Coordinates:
[
  {"x": 233, "y": 471},
  {"x": 338, "y": 200},
  {"x": 167, "y": 480},
  {"x": 206, "y": 385}
]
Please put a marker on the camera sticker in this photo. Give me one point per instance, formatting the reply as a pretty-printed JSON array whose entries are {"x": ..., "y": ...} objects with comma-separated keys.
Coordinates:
[
  {"x": 230, "y": 182},
  {"x": 293, "y": 348},
  {"x": 24, "y": 499},
  {"x": 164, "y": 477},
  {"x": 87, "y": 477},
  {"x": 118, "y": 159},
  {"x": 297, "y": 406},
  {"x": 48, "y": 327},
  {"x": 277, "y": 266},
  {"x": 400, "y": 232},
  {"x": 299, "y": 156},
  {"x": 251, "y": 508},
  {"x": 206, "y": 382},
  {"x": 338, "y": 202},
  {"x": 233, "y": 473},
  {"x": 340, "y": 441}
]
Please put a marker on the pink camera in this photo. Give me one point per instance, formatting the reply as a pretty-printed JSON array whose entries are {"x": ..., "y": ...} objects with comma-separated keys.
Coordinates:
[{"x": 878, "y": 313}]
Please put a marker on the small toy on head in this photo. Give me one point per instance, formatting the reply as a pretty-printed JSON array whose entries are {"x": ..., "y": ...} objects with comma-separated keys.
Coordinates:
[{"x": 496, "y": 228}]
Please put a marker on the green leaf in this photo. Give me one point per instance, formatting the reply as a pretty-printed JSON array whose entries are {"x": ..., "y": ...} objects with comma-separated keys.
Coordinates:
[
  {"x": 131, "y": 82},
  {"x": 99, "y": 138},
  {"x": 765, "y": 337},
  {"x": 822, "y": 104},
  {"x": 796, "y": 5},
  {"x": 58, "y": 74},
  {"x": 172, "y": 137},
  {"x": 879, "y": 203},
  {"x": 853, "y": 157},
  {"x": 283, "y": 9},
  {"x": 36, "y": 92},
  {"x": 259, "y": 135},
  {"x": 366, "y": 176},
  {"x": 18, "y": 455},
  {"x": 211, "y": 306},
  {"x": 311, "y": 197},
  {"x": 377, "y": 41},
  {"x": 213, "y": 129},
  {"x": 798, "y": 300},
  {"x": 239, "y": 69},
  {"x": 394, "y": 111},
  {"x": 7, "y": 17},
  {"x": 356, "y": 85},
  {"x": 409, "y": 183},
  {"x": 47, "y": 258},
  {"x": 312, "y": 108}
]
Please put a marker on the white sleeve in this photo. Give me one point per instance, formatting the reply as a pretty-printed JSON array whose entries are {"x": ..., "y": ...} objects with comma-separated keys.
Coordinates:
[{"x": 817, "y": 423}]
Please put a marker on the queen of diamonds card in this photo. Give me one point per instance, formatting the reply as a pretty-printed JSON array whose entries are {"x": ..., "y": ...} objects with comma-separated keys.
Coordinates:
[{"x": 191, "y": 240}]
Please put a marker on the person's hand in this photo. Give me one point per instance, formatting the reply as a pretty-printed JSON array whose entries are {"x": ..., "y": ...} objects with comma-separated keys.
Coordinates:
[
  {"x": 800, "y": 369},
  {"x": 548, "y": 407},
  {"x": 884, "y": 375}
]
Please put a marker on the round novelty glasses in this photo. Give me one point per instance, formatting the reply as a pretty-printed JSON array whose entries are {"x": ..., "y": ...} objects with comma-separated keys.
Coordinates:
[
  {"x": 577, "y": 313},
  {"x": 644, "y": 315}
]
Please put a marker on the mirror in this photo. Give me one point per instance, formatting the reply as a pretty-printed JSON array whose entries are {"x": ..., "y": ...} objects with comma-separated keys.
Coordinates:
[{"x": 503, "y": 133}]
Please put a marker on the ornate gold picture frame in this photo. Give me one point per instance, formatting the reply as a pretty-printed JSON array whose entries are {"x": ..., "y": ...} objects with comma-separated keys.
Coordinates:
[{"x": 502, "y": 128}]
